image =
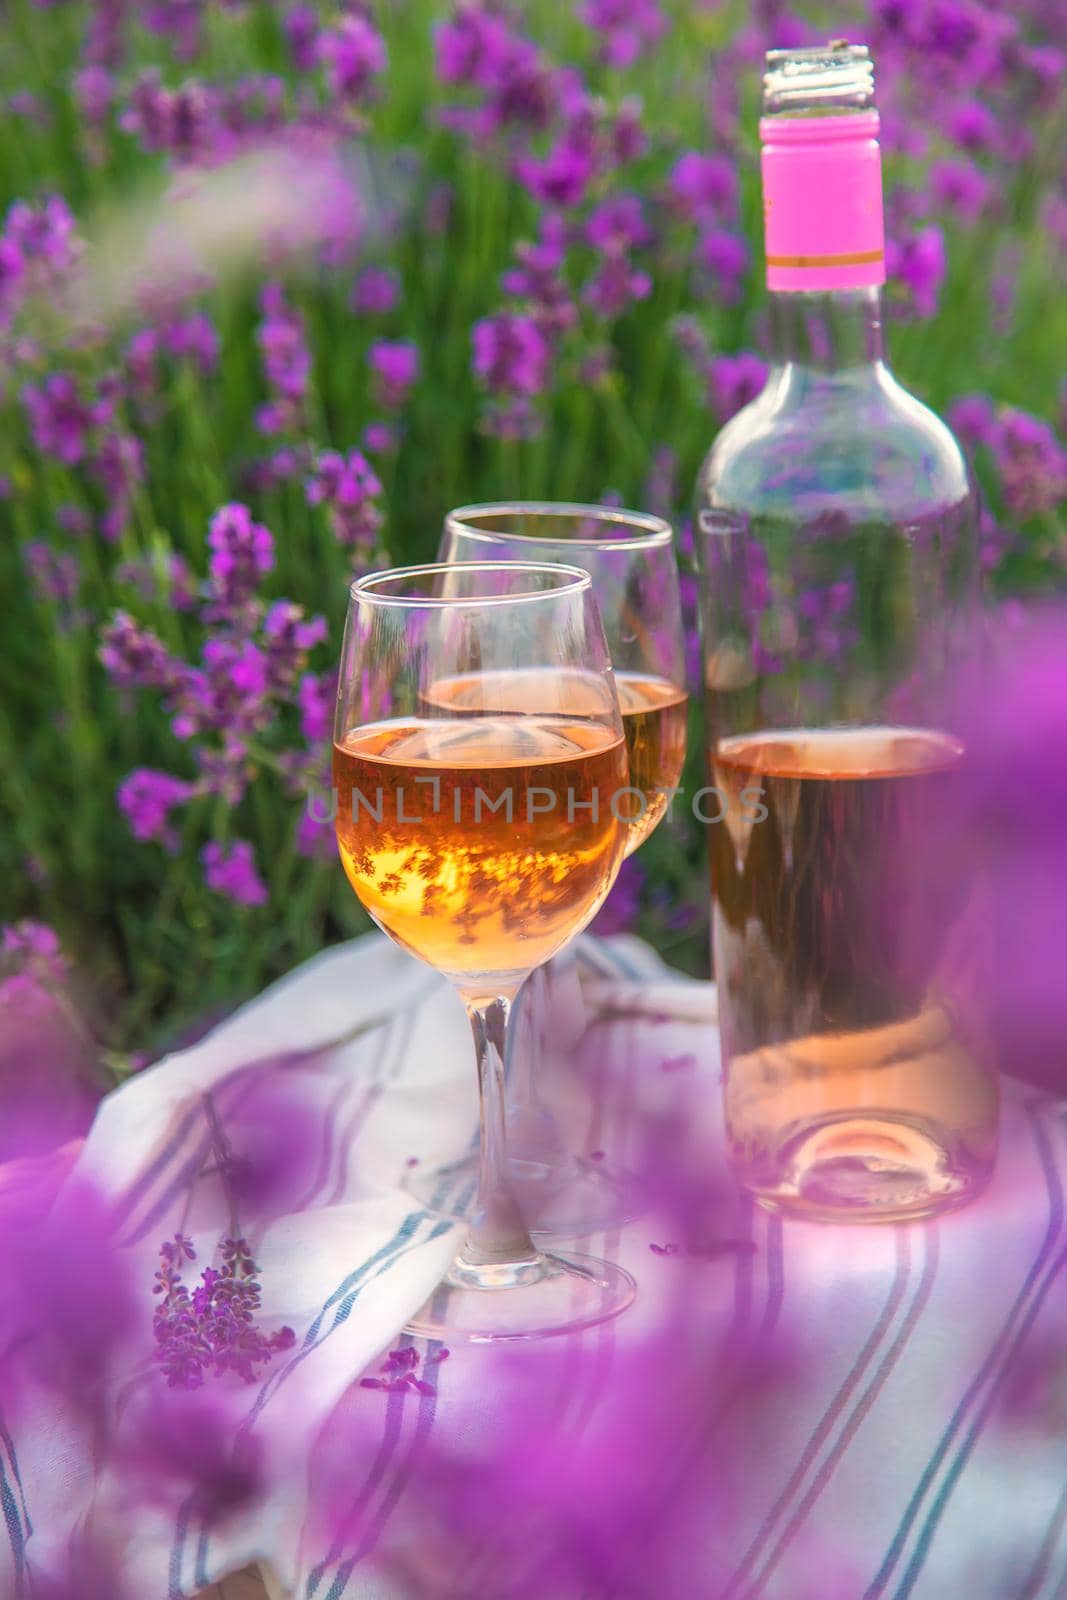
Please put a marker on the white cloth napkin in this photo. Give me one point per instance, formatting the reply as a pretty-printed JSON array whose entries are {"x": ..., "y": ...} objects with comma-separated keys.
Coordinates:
[{"x": 888, "y": 1454}]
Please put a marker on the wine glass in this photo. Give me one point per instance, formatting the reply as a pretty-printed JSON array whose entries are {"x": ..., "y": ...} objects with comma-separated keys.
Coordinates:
[
  {"x": 631, "y": 559},
  {"x": 478, "y": 754}
]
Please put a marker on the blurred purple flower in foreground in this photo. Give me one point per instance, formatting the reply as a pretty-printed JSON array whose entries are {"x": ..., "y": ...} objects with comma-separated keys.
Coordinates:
[{"x": 1006, "y": 834}]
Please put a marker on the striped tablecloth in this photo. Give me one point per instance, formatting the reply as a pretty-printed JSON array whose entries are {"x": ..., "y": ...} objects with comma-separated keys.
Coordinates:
[{"x": 886, "y": 1455}]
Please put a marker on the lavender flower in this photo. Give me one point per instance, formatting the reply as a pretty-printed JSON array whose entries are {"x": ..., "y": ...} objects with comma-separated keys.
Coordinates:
[
  {"x": 733, "y": 381},
  {"x": 961, "y": 188},
  {"x": 619, "y": 912},
  {"x": 562, "y": 177},
  {"x": 242, "y": 551},
  {"x": 617, "y": 226},
  {"x": 349, "y": 488},
  {"x": 511, "y": 354},
  {"x": 918, "y": 264},
  {"x": 301, "y": 28},
  {"x": 1031, "y": 461},
  {"x": 56, "y": 574},
  {"x": 726, "y": 257},
  {"x": 286, "y": 362},
  {"x": 628, "y": 27},
  {"x": 212, "y": 1330},
  {"x": 395, "y": 364},
  {"x": 614, "y": 286},
  {"x": 355, "y": 54},
  {"x": 704, "y": 188},
  {"x": 60, "y": 418},
  {"x": 232, "y": 872},
  {"x": 134, "y": 656},
  {"x": 538, "y": 279},
  {"x": 377, "y": 292},
  {"x": 147, "y": 798}
]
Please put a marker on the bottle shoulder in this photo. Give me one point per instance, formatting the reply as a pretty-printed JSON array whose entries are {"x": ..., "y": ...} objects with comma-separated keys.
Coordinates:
[{"x": 856, "y": 441}]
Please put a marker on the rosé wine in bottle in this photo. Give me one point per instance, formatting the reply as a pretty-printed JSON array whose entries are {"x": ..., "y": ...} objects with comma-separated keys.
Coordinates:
[{"x": 836, "y": 528}]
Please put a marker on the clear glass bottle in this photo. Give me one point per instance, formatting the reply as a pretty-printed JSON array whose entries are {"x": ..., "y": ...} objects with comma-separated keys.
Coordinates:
[{"x": 836, "y": 527}]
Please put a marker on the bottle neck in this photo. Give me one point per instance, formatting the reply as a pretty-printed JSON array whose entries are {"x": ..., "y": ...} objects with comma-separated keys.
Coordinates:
[{"x": 828, "y": 331}]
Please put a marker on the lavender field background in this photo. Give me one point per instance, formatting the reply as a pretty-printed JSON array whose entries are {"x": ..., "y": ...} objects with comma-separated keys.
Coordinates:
[{"x": 280, "y": 284}]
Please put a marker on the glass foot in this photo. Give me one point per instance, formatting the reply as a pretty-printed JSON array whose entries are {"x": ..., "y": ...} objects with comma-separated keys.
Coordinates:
[
  {"x": 557, "y": 1201},
  {"x": 535, "y": 1299}
]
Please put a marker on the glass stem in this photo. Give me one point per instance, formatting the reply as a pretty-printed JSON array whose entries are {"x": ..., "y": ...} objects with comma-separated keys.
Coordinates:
[{"x": 498, "y": 1235}]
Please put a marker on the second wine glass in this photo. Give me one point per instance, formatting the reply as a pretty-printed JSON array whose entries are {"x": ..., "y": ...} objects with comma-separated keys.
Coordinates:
[{"x": 630, "y": 557}]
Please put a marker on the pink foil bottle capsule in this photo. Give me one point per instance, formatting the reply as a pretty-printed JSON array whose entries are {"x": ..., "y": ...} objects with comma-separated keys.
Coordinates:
[{"x": 822, "y": 202}]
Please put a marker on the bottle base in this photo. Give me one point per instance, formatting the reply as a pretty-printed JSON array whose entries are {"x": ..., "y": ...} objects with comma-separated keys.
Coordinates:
[{"x": 866, "y": 1169}]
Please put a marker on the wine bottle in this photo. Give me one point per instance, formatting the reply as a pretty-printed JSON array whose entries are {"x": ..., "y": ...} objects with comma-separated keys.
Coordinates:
[{"x": 836, "y": 536}]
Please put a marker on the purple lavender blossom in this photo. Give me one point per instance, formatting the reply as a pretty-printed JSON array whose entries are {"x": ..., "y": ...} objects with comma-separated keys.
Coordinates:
[
  {"x": 242, "y": 551},
  {"x": 511, "y": 354},
  {"x": 614, "y": 286},
  {"x": 118, "y": 466},
  {"x": 301, "y": 28},
  {"x": 286, "y": 361},
  {"x": 962, "y": 188},
  {"x": 232, "y": 872},
  {"x": 288, "y": 636},
  {"x": 733, "y": 381},
  {"x": 918, "y": 263},
  {"x": 380, "y": 437},
  {"x": 395, "y": 364},
  {"x": 376, "y": 293},
  {"x": 349, "y": 487},
  {"x": 60, "y": 418},
  {"x": 354, "y": 54},
  {"x": 45, "y": 233},
  {"x": 95, "y": 92},
  {"x": 212, "y": 1330},
  {"x": 973, "y": 127},
  {"x": 181, "y": 121},
  {"x": 619, "y": 912},
  {"x": 973, "y": 419},
  {"x": 56, "y": 574},
  {"x": 316, "y": 701},
  {"x": 726, "y": 257},
  {"x": 628, "y": 27},
  {"x": 617, "y": 226},
  {"x": 134, "y": 656},
  {"x": 704, "y": 187},
  {"x": 561, "y": 177},
  {"x": 1031, "y": 461},
  {"x": 146, "y": 799},
  {"x": 538, "y": 278},
  {"x": 180, "y": 22}
]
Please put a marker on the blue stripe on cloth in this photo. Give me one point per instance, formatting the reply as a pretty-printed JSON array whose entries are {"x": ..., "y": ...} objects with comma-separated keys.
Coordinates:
[
  {"x": 838, "y": 1402},
  {"x": 1048, "y": 1244},
  {"x": 175, "y": 1590},
  {"x": 863, "y": 1404},
  {"x": 346, "y": 1293},
  {"x": 424, "y": 1419},
  {"x": 201, "y": 1576},
  {"x": 186, "y": 1175},
  {"x": 9, "y": 1446},
  {"x": 13, "y": 1523},
  {"x": 775, "y": 1276},
  {"x": 1035, "y": 1578},
  {"x": 963, "y": 1455},
  {"x": 160, "y": 1161}
]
